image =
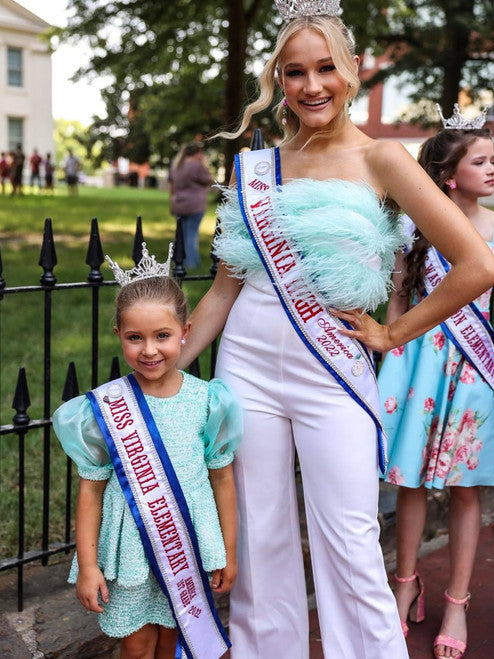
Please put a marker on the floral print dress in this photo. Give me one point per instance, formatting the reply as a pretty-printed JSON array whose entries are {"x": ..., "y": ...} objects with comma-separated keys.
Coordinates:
[{"x": 438, "y": 413}]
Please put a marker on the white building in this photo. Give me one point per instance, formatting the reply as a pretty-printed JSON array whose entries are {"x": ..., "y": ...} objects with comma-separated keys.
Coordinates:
[{"x": 25, "y": 82}]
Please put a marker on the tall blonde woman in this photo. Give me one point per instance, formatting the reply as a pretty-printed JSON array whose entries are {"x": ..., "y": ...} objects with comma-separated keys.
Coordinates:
[{"x": 309, "y": 235}]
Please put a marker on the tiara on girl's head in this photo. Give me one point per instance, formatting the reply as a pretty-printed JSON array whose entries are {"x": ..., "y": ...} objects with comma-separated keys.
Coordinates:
[
  {"x": 294, "y": 8},
  {"x": 458, "y": 122},
  {"x": 146, "y": 268}
]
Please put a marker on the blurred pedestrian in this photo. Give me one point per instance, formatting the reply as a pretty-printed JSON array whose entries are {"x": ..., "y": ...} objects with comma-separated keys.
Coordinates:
[
  {"x": 4, "y": 170},
  {"x": 189, "y": 181},
  {"x": 49, "y": 168},
  {"x": 35, "y": 164},
  {"x": 17, "y": 170},
  {"x": 72, "y": 167}
]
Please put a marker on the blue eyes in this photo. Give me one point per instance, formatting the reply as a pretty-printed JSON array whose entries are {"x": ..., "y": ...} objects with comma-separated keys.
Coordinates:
[
  {"x": 137, "y": 337},
  {"x": 328, "y": 68}
]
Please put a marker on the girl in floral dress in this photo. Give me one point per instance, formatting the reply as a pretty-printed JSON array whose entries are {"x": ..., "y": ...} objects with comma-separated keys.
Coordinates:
[{"x": 438, "y": 411}]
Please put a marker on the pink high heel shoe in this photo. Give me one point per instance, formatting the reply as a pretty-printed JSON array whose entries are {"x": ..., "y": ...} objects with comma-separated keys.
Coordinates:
[
  {"x": 416, "y": 612},
  {"x": 449, "y": 641}
]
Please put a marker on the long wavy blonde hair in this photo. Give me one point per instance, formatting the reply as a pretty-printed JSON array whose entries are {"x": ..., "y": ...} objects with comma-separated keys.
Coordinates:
[{"x": 342, "y": 48}]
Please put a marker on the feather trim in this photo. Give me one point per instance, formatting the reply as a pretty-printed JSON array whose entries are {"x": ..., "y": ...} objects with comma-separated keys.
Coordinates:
[{"x": 347, "y": 237}]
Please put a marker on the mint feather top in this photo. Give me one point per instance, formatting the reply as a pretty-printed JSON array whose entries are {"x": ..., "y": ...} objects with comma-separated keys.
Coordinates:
[{"x": 346, "y": 236}]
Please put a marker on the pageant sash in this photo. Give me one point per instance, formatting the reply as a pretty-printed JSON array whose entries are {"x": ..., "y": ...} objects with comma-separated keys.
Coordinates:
[
  {"x": 258, "y": 175},
  {"x": 158, "y": 505},
  {"x": 471, "y": 333}
]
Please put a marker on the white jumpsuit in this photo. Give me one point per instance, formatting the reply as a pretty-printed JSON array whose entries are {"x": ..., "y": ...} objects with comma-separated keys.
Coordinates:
[{"x": 292, "y": 404}]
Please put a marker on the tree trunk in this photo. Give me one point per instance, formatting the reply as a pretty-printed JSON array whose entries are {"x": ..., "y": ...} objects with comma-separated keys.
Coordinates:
[
  {"x": 458, "y": 18},
  {"x": 235, "y": 83}
]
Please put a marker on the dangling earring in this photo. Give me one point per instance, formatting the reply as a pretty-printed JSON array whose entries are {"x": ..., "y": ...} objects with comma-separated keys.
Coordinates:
[
  {"x": 284, "y": 114},
  {"x": 451, "y": 184}
]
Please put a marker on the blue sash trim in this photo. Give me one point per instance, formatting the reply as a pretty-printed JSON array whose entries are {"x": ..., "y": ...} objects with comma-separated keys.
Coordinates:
[
  {"x": 179, "y": 497},
  {"x": 473, "y": 307},
  {"x": 476, "y": 312},
  {"x": 242, "y": 201}
]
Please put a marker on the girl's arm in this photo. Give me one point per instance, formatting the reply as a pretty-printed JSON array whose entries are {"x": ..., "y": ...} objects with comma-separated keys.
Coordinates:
[
  {"x": 90, "y": 581},
  {"x": 226, "y": 503},
  {"x": 209, "y": 317},
  {"x": 447, "y": 228}
]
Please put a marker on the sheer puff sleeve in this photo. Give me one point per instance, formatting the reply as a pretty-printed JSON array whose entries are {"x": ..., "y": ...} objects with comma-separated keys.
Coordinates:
[
  {"x": 80, "y": 437},
  {"x": 223, "y": 429}
]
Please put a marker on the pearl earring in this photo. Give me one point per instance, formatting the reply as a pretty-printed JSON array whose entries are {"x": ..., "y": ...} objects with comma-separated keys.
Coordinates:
[{"x": 182, "y": 341}]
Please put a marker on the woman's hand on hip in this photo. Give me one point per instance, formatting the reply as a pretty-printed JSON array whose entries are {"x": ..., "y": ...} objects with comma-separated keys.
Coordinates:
[{"x": 365, "y": 329}]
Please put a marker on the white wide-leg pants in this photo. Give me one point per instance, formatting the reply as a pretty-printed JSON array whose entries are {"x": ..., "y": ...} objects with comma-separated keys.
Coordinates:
[{"x": 292, "y": 404}]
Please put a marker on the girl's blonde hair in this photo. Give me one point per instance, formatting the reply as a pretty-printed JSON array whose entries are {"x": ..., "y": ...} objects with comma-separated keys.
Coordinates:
[
  {"x": 342, "y": 48},
  {"x": 162, "y": 290}
]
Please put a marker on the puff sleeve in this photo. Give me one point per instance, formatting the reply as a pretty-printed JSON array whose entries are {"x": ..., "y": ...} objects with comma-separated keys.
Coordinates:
[
  {"x": 81, "y": 438},
  {"x": 223, "y": 429}
]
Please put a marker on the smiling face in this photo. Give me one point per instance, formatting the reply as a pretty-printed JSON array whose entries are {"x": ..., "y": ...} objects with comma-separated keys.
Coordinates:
[
  {"x": 313, "y": 88},
  {"x": 474, "y": 174},
  {"x": 151, "y": 337}
]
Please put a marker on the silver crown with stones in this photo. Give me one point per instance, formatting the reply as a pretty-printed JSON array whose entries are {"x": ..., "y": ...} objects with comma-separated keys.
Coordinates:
[
  {"x": 290, "y": 9},
  {"x": 458, "y": 122},
  {"x": 146, "y": 268}
]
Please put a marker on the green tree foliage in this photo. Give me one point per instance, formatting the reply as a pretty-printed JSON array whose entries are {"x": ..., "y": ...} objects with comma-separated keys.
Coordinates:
[
  {"x": 180, "y": 69},
  {"x": 437, "y": 48},
  {"x": 183, "y": 69}
]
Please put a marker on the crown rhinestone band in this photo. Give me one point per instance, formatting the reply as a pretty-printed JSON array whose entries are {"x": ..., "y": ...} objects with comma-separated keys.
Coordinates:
[
  {"x": 290, "y": 9},
  {"x": 458, "y": 122},
  {"x": 146, "y": 268}
]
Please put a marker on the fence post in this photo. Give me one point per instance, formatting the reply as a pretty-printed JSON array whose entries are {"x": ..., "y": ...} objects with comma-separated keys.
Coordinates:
[
  {"x": 70, "y": 390},
  {"x": 114, "y": 370},
  {"x": 94, "y": 259},
  {"x": 179, "y": 254},
  {"x": 47, "y": 260},
  {"x": 138, "y": 240},
  {"x": 21, "y": 418}
]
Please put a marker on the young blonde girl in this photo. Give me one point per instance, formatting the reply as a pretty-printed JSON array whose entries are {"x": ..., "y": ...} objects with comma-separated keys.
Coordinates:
[
  {"x": 437, "y": 407},
  {"x": 335, "y": 197},
  {"x": 199, "y": 425}
]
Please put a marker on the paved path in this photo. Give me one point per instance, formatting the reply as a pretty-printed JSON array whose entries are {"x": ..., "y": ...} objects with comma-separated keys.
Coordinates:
[
  {"x": 54, "y": 625},
  {"x": 434, "y": 570}
]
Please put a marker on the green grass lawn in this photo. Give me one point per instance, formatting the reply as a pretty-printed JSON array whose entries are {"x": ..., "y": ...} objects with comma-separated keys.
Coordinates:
[{"x": 22, "y": 318}]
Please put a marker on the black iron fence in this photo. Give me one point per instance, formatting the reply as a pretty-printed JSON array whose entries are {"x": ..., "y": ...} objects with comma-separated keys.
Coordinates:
[{"x": 22, "y": 425}]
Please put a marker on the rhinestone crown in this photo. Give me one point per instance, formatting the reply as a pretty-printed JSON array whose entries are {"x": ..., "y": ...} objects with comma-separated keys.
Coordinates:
[
  {"x": 458, "y": 122},
  {"x": 146, "y": 268},
  {"x": 294, "y": 8}
]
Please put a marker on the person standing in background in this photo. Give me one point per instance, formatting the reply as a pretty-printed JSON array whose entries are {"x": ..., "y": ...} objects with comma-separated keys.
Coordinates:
[
  {"x": 72, "y": 167},
  {"x": 49, "y": 168},
  {"x": 17, "y": 170},
  {"x": 35, "y": 163},
  {"x": 4, "y": 170},
  {"x": 189, "y": 181}
]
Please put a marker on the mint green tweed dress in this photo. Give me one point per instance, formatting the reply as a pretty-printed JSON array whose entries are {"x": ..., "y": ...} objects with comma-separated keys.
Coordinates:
[{"x": 201, "y": 426}]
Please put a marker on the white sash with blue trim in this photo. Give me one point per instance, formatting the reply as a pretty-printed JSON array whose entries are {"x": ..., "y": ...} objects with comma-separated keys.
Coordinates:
[
  {"x": 471, "y": 333},
  {"x": 258, "y": 175},
  {"x": 158, "y": 505}
]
